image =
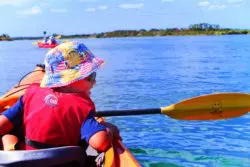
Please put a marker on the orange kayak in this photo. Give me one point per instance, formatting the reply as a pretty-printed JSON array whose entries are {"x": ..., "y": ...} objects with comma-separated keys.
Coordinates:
[{"x": 116, "y": 156}]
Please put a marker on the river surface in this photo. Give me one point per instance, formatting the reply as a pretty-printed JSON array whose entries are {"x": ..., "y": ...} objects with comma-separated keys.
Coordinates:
[{"x": 155, "y": 72}]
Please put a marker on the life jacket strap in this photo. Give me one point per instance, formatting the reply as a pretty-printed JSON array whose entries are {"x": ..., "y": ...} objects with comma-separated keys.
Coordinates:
[{"x": 38, "y": 145}]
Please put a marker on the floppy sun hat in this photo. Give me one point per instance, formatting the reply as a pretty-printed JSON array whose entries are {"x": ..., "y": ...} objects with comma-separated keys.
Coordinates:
[{"x": 67, "y": 63}]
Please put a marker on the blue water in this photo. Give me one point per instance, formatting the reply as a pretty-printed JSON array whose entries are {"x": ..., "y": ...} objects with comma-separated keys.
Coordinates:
[{"x": 156, "y": 72}]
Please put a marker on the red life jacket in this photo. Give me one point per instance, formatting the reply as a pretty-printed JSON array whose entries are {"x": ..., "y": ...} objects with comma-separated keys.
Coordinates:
[{"x": 54, "y": 118}]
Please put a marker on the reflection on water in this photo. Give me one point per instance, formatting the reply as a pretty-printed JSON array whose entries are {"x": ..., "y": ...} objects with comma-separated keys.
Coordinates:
[{"x": 156, "y": 72}]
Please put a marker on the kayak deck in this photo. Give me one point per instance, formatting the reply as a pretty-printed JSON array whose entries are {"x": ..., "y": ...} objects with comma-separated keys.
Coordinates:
[
  {"x": 117, "y": 156},
  {"x": 43, "y": 157}
]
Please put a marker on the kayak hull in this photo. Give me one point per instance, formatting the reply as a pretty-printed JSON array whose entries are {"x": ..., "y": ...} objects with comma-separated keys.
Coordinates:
[
  {"x": 46, "y": 45},
  {"x": 116, "y": 156}
]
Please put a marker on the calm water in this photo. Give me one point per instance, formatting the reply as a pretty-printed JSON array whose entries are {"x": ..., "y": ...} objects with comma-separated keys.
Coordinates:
[{"x": 156, "y": 72}]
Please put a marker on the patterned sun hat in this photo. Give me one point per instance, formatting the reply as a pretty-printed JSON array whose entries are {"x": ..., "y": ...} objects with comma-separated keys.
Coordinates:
[{"x": 67, "y": 63}]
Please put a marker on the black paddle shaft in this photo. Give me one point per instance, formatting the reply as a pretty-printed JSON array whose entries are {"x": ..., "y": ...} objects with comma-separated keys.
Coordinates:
[{"x": 128, "y": 112}]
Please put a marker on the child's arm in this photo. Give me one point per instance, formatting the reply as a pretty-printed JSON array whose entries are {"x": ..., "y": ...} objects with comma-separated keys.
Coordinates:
[
  {"x": 101, "y": 141},
  {"x": 11, "y": 117},
  {"x": 5, "y": 125},
  {"x": 98, "y": 135}
]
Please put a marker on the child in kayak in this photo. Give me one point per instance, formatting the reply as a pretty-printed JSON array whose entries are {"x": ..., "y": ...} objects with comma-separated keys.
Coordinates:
[
  {"x": 45, "y": 39},
  {"x": 59, "y": 111},
  {"x": 52, "y": 40}
]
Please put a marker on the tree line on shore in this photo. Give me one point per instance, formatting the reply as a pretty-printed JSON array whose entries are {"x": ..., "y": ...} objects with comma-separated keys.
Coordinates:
[
  {"x": 193, "y": 29},
  {"x": 5, "y": 37}
]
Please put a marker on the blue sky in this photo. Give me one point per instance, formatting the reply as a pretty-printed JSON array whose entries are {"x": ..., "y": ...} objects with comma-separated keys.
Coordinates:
[{"x": 32, "y": 17}]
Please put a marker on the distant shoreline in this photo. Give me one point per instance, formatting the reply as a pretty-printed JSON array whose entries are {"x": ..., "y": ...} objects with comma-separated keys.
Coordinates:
[
  {"x": 131, "y": 33},
  {"x": 194, "y": 29}
]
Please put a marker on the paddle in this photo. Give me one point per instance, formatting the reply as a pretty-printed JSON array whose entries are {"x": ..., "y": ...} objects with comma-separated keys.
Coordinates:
[{"x": 206, "y": 107}]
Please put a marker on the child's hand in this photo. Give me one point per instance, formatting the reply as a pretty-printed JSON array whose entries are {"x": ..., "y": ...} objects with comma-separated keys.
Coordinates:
[{"x": 113, "y": 130}]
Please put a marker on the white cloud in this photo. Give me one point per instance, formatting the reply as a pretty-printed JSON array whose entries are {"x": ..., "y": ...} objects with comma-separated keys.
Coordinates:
[
  {"x": 14, "y": 2},
  {"x": 32, "y": 11},
  {"x": 88, "y": 0},
  {"x": 103, "y": 7},
  {"x": 59, "y": 10},
  {"x": 90, "y": 10},
  {"x": 167, "y": 0},
  {"x": 217, "y": 6},
  {"x": 132, "y": 6},
  {"x": 19, "y": 3},
  {"x": 204, "y": 3},
  {"x": 208, "y": 5},
  {"x": 235, "y": 1}
]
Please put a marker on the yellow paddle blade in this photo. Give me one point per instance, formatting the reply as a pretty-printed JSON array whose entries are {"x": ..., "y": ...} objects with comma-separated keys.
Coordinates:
[
  {"x": 58, "y": 36},
  {"x": 63, "y": 41},
  {"x": 34, "y": 43},
  {"x": 210, "y": 107}
]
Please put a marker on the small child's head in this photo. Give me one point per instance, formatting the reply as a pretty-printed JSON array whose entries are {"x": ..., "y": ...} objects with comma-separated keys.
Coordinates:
[{"x": 70, "y": 63}]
